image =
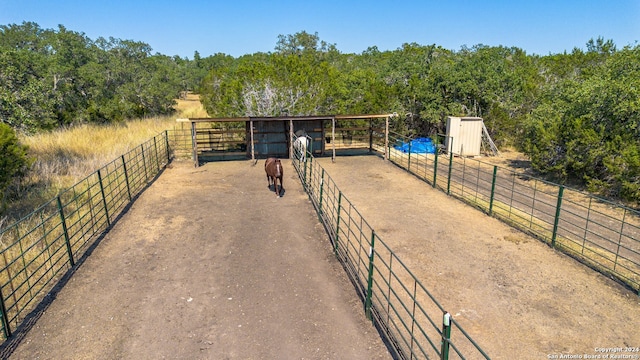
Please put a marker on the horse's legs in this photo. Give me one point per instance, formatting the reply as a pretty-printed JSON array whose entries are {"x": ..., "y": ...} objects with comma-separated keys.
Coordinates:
[{"x": 281, "y": 185}]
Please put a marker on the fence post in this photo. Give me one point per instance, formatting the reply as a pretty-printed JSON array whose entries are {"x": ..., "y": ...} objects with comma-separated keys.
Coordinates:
[
  {"x": 493, "y": 189},
  {"x": 624, "y": 218},
  {"x": 66, "y": 231},
  {"x": 557, "y": 218},
  {"x": 155, "y": 146},
  {"x": 446, "y": 336},
  {"x": 367, "y": 305},
  {"x": 5, "y": 318},
  {"x": 144, "y": 163},
  {"x": 449, "y": 177},
  {"x": 409, "y": 159},
  {"x": 104, "y": 199},
  {"x": 311, "y": 174},
  {"x": 321, "y": 187},
  {"x": 304, "y": 182},
  {"x": 335, "y": 246},
  {"x": 435, "y": 168},
  {"x": 126, "y": 177},
  {"x": 166, "y": 138}
]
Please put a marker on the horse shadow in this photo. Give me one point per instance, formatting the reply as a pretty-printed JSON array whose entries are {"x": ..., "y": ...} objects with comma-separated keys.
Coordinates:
[{"x": 271, "y": 188}]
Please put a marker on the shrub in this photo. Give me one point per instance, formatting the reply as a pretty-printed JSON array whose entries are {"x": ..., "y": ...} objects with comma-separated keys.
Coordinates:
[{"x": 14, "y": 159}]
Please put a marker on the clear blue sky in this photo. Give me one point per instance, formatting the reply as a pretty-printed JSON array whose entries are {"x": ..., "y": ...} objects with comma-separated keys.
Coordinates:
[{"x": 238, "y": 27}]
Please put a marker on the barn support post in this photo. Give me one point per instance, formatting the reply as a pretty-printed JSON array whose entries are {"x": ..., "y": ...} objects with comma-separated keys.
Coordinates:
[
  {"x": 386, "y": 138},
  {"x": 333, "y": 138},
  {"x": 194, "y": 144},
  {"x": 253, "y": 154},
  {"x": 291, "y": 139},
  {"x": 370, "y": 135}
]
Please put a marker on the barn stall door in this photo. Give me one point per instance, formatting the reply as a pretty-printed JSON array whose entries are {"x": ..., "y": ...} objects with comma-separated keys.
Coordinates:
[
  {"x": 270, "y": 139},
  {"x": 315, "y": 130}
]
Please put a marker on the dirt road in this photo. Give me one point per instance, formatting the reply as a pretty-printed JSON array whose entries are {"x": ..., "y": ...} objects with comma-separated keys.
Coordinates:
[{"x": 208, "y": 264}]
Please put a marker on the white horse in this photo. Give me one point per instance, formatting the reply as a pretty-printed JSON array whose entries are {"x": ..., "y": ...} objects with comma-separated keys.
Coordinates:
[{"x": 300, "y": 145}]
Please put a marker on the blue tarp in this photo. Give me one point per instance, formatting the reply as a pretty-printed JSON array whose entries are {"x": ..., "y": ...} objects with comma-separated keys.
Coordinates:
[{"x": 418, "y": 146}]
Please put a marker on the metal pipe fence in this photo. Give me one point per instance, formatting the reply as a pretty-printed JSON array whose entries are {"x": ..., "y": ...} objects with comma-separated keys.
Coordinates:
[
  {"x": 595, "y": 231},
  {"x": 408, "y": 316},
  {"x": 38, "y": 249}
]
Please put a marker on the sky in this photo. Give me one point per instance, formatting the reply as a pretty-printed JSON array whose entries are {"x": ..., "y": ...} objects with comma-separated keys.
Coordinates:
[{"x": 239, "y": 27}]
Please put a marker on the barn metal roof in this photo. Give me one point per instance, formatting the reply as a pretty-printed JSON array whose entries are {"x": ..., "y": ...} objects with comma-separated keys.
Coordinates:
[{"x": 293, "y": 118}]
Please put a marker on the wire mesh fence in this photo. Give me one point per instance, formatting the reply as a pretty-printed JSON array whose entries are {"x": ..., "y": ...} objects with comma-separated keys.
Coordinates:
[
  {"x": 38, "y": 249},
  {"x": 597, "y": 232},
  {"x": 411, "y": 320}
]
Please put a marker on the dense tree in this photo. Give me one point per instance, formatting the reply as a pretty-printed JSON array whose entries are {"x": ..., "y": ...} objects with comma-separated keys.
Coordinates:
[
  {"x": 575, "y": 114},
  {"x": 587, "y": 127},
  {"x": 58, "y": 77},
  {"x": 296, "y": 80},
  {"x": 14, "y": 159}
]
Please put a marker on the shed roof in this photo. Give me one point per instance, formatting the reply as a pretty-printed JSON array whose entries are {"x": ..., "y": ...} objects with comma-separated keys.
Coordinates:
[{"x": 293, "y": 118}]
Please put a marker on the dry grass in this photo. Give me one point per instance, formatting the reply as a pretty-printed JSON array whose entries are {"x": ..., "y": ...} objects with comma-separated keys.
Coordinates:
[
  {"x": 191, "y": 107},
  {"x": 65, "y": 156}
]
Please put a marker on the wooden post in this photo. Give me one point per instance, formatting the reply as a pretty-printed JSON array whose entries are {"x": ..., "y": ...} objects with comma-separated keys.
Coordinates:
[
  {"x": 333, "y": 138},
  {"x": 194, "y": 143},
  {"x": 253, "y": 155},
  {"x": 386, "y": 138},
  {"x": 290, "y": 138},
  {"x": 370, "y": 135}
]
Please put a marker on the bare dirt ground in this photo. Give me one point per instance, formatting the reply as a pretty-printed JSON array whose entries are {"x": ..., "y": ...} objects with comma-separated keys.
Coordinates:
[
  {"x": 518, "y": 298},
  {"x": 208, "y": 264}
]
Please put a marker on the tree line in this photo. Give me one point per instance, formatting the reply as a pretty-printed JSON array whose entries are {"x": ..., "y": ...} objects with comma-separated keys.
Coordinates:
[{"x": 574, "y": 114}]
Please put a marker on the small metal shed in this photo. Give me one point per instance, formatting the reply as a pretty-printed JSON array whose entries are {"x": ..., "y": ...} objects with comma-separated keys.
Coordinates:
[{"x": 464, "y": 135}]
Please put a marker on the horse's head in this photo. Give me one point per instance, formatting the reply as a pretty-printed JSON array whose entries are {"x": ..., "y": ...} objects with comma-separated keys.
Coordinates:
[{"x": 278, "y": 166}]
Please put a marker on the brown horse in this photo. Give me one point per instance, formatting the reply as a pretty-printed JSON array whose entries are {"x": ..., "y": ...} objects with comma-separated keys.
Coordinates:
[{"x": 273, "y": 168}]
